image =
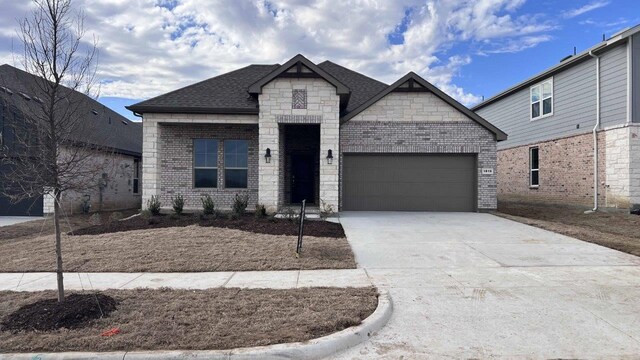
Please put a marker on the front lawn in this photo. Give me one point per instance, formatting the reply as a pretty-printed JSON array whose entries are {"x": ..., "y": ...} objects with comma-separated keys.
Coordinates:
[
  {"x": 197, "y": 320},
  {"x": 184, "y": 244},
  {"x": 615, "y": 230}
]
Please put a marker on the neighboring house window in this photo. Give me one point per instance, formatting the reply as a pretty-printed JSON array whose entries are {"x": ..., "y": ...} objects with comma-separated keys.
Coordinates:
[
  {"x": 136, "y": 176},
  {"x": 534, "y": 166},
  {"x": 299, "y": 99},
  {"x": 205, "y": 163},
  {"x": 235, "y": 163},
  {"x": 542, "y": 99}
]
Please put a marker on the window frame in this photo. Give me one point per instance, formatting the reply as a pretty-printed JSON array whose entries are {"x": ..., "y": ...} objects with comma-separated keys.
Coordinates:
[
  {"x": 246, "y": 168},
  {"x": 541, "y": 100},
  {"x": 135, "y": 186},
  {"x": 194, "y": 167},
  {"x": 532, "y": 169}
]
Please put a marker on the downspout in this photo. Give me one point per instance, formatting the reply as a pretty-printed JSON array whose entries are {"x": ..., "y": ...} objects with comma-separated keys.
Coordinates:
[
  {"x": 595, "y": 133},
  {"x": 629, "y": 77}
]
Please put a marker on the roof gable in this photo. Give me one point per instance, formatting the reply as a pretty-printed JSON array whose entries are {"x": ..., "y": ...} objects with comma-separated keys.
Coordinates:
[
  {"x": 412, "y": 82},
  {"x": 299, "y": 66}
]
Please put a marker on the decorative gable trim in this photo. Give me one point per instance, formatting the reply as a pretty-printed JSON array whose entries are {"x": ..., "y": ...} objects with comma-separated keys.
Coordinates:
[{"x": 412, "y": 82}]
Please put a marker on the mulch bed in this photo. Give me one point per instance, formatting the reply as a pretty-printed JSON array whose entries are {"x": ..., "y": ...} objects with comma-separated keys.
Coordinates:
[
  {"x": 76, "y": 311},
  {"x": 212, "y": 319},
  {"x": 247, "y": 222}
]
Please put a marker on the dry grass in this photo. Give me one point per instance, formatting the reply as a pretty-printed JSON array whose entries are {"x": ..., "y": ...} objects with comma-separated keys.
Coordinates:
[
  {"x": 177, "y": 249},
  {"x": 199, "y": 320},
  {"x": 614, "y": 230}
]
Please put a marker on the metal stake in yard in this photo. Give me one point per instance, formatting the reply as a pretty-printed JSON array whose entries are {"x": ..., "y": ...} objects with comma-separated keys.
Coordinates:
[{"x": 301, "y": 230}]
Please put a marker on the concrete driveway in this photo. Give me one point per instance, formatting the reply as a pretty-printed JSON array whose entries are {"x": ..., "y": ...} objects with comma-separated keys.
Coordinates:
[
  {"x": 470, "y": 285},
  {"x": 11, "y": 220}
]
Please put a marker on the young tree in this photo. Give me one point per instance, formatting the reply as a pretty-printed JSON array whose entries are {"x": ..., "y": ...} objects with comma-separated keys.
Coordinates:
[{"x": 52, "y": 154}]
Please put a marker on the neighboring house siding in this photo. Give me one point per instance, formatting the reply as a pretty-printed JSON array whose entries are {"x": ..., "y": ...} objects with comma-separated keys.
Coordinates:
[
  {"x": 574, "y": 103},
  {"x": 636, "y": 78},
  {"x": 613, "y": 86},
  {"x": 117, "y": 194},
  {"x": 441, "y": 130},
  {"x": 177, "y": 164}
]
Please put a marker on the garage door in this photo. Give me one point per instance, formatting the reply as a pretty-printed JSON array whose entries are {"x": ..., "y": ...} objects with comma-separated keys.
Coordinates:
[{"x": 394, "y": 182}]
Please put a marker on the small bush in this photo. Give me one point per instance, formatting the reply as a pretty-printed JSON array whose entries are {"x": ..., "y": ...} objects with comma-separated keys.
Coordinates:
[
  {"x": 208, "y": 206},
  {"x": 154, "y": 205},
  {"x": 178, "y": 204},
  {"x": 261, "y": 211},
  {"x": 240, "y": 204},
  {"x": 290, "y": 214},
  {"x": 326, "y": 210},
  {"x": 115, "y": 216},
  {"x": 95, "y": 219}
]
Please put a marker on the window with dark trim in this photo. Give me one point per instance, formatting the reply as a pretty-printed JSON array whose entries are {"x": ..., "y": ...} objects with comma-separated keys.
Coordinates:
[
  {"x": 205, "y": 163},
  {"x": 235, "y": 163},
  {"x": 136, "y": 176},
  {"x": 534, "y": 167}
]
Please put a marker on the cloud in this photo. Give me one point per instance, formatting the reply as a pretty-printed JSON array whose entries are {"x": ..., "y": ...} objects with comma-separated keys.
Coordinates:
[
  {"x": 149, "y": 47},
  {"x": 585, "y": 8}
]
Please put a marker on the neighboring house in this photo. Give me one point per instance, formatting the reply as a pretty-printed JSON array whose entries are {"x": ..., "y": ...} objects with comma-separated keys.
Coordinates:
[
  {"x": 319, "y": 132},
  {"x": 551, "y": 118},
  {"x": 119, "y": 142}
]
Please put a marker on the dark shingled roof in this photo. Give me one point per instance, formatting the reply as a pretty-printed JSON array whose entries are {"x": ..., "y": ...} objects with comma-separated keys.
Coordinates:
[
  {"x": 362, "y": 87},
  {"x": 226, "y": 93},
  {"x": 104, "y": 127}
]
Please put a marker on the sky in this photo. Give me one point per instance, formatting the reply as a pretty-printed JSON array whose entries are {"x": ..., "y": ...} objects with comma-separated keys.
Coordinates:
[{"x": 468, "y": 48}]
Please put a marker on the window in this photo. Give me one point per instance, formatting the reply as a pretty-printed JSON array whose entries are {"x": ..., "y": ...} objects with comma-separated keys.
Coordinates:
[
  {"x": 534, "y": 166},
  {"x": 205, "y": 163},
  {"x": 542, "y": 99},
  {"x": 235, "y": 163},
  {"x": 136, "y": 176}
]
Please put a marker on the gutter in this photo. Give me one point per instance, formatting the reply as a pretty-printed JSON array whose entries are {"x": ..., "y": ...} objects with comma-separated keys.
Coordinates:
[{"x": 595, "y": 133}]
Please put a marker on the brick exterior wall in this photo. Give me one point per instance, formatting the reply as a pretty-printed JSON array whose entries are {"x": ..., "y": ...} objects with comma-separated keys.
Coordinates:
[
  {"x": 565, "y": 175},
  {"x": 276, "y": 109},
  {"x": 442, "y": 130},
  {"x": 176, "y": 163}
]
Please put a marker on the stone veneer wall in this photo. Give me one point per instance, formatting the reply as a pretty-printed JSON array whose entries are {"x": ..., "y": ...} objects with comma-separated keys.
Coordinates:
[
  {"x": 117, "y": 195},
  {"x": 323, "y": 106},
  {"x": 422, "y": 123},
  {"x": 176, "y": 159},
  {"x": 623, "y": 166},
  {"x": 566, "y": 172}
]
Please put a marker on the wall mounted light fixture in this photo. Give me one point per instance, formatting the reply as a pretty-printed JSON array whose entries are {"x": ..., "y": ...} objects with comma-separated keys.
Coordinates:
[
  {"x": 267, "y": 156},
  {"x": 329, "y": 157}
]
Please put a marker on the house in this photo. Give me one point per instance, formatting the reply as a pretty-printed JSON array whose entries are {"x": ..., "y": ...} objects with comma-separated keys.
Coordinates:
[
  {"x": 574, "y": 129},
  {"x": 118, "y": 139},
  {"x": 317, "y": 132}
]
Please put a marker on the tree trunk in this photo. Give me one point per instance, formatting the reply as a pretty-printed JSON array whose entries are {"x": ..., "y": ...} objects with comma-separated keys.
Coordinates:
[{"x": 56, "y": 222}]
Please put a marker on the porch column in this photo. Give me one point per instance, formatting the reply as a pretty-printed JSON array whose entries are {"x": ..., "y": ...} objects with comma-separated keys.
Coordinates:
[
  {"x": 268, "y": 173},
  {"x": 329, "y": 173},
  {"x": 150, "y": 159}
]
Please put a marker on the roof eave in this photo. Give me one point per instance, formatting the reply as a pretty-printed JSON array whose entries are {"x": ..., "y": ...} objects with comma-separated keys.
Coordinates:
[{"x": 191, "y": 110}]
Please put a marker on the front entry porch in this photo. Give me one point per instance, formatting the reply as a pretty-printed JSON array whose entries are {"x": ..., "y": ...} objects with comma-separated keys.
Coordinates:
[{"x": 300, "y": 164}]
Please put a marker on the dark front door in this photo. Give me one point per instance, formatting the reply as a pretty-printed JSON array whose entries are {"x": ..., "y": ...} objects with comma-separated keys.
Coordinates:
[{"x": 302, "y": 178}]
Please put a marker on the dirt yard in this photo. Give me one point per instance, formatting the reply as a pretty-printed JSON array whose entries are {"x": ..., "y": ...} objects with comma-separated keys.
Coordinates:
[
  {"x": 176, "y": 249},
  {"x": 611, "y": 229},
  {"x": 199, "y": 320}
]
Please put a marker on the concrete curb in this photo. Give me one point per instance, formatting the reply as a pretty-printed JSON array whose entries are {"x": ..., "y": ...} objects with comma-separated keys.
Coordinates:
[{"x": 312, "y": 349}]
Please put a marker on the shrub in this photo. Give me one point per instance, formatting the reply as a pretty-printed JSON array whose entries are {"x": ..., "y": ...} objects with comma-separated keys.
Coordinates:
[
  {"x": 95, "y": 219},
  {"x": 178, "y": 204},
  {"x": 290, "y": 214},
  {"x": 326, "y": 210},
  {"x": 154, "y": 205},
  {"x": 115, "y": 216},
  {"x": 261, "y": 211},
  {"x": 240, "y": 204},
  {"x": 208, "y": 206}
]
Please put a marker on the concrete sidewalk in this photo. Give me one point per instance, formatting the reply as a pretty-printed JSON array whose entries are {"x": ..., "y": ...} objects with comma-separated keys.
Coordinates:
[{"x": 202, "y": 280}]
